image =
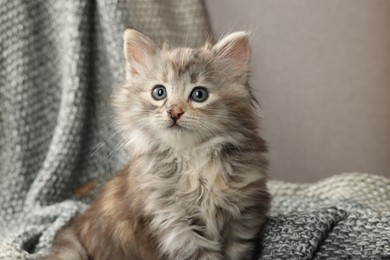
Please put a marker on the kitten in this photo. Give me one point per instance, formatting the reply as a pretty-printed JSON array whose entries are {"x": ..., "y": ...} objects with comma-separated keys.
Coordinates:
[{"x": 195, "y": 186}]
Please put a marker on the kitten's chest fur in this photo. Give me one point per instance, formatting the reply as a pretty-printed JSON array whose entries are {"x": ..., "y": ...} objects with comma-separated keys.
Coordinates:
[{"x": 191, "y": 188}]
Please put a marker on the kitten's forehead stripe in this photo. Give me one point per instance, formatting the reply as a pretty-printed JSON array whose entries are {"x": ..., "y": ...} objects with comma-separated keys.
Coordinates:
[
  {"x": 184, "y": 68},
  {"x": 165, "y": 75},
  {"x": 182, "y": 62},
  {"x": 194, "y": 77},
  {"x": 172, "y": 64}
]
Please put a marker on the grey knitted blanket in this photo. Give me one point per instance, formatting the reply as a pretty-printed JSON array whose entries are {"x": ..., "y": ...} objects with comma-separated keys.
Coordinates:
[{"x": 59, "y": 62}]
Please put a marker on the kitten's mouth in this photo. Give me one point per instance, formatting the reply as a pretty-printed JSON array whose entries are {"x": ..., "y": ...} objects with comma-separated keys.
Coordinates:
[{"x": 175, "y": 125}]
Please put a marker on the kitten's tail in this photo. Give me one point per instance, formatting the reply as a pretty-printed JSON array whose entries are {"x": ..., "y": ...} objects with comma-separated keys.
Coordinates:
[{"x": 67, "y": 246}]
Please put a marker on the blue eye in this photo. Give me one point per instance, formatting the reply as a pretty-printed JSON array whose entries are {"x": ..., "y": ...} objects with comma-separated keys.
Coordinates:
[
  {"x": 199, "y": 94},
  {"x": 159, "y": 92}
]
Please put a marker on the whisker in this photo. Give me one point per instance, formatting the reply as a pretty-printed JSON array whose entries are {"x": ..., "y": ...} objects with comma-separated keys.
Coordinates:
[
  {"x": 101, "y": 144},
  {"x": 122, "y": 144},
  {"x": 115, "y": 149}
]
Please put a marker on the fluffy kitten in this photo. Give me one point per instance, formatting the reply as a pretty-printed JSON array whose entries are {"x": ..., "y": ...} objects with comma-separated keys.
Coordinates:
[{"x": 195, "y": 186}]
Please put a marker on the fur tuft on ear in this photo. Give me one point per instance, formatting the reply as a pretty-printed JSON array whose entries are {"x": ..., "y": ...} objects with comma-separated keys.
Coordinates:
[
  {"x": 234, "y": 52},
  {"x": 138, "y": 49}
]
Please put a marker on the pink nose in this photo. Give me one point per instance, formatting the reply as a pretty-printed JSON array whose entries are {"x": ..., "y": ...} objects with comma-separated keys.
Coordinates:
[{"x": 175, "y": 112}]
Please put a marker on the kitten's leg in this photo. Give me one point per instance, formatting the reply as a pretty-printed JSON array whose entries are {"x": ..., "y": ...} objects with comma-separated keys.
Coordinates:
[
  {"x": 241, "y": 237},
  {"x": 67, "y": 246}
]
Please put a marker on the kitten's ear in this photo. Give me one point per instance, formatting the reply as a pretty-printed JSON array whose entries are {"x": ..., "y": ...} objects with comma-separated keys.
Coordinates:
[
  {"x": 138, "y": 50},
  {"x": 234, "y": 52}
]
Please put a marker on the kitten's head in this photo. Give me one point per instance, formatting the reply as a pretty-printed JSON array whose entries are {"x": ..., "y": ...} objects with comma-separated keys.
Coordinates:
[{"x": 182, "y": 97}]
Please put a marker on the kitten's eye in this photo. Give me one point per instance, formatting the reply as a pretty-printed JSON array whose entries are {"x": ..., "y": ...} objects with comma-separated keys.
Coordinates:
[
  {"x": 159, "y": 92},
  {"x": 199, "y": 94}
]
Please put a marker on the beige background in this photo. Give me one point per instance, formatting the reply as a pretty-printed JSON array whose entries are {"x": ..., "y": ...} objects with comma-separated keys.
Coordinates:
[{"x": 321, "y": 70}]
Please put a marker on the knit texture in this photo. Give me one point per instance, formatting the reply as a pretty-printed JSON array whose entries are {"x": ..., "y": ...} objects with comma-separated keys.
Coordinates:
[
  {"x": 60, "y": 61},
  {"x": 346, "y": 216}
]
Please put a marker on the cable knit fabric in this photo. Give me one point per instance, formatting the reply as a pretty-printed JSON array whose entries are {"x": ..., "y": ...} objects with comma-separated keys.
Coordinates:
[{"x": 59, "y": 63}]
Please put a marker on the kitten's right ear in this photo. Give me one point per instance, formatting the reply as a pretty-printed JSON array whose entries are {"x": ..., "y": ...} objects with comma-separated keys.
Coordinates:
[
  {"x": 138, "y": 49},
  {"x": 233, "y": 52}
]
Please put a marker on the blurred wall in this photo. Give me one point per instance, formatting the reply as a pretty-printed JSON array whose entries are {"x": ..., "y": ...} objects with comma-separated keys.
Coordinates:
[{"x": 321, "y": 70}]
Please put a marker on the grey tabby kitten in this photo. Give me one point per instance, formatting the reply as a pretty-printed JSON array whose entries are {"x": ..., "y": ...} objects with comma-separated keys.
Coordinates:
[{"x": 195, "y": 184}]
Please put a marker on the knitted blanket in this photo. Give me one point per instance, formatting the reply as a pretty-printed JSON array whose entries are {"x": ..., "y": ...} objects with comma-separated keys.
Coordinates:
[
  {"x": 59, "y": 62},
  {"x": 346, "y": 216}
]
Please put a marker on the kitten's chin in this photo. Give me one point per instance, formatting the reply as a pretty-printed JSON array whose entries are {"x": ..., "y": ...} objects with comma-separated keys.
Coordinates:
[
  {"x": 174, "y": 136},
  {"x": 179, "y": 138}
]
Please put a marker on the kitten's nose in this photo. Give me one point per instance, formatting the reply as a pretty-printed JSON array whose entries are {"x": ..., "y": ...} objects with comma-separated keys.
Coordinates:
[{"x": 175, "y": 112}]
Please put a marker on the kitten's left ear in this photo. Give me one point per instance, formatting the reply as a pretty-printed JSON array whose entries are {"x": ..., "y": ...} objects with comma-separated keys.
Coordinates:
[
  {"x": 138, "y": 49},
  {"x": 234, "y": 52}
]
